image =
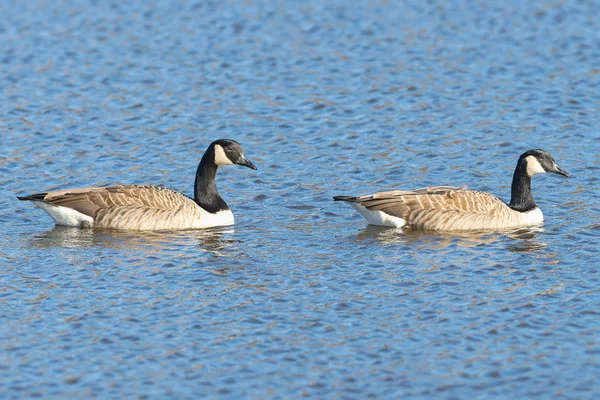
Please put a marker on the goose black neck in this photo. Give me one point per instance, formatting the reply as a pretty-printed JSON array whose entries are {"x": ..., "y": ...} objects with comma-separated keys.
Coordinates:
[
  {"x": 205, "y": 188},
  {"x": 521, "y": 198}
]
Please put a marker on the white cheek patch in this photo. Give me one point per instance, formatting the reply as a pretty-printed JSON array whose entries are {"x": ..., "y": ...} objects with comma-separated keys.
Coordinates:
[
  {"x": 534, "y": 166},
  {"x": 220, "y": 156}
]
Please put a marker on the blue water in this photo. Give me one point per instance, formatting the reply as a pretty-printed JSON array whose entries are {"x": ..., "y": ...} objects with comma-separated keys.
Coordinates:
[{"x": 301, "y": 297}]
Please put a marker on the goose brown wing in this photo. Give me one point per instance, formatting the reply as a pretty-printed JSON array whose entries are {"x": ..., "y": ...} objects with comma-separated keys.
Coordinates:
[
  {"x": 89, "y": 201},
  {"x": 429, "y": 202}
]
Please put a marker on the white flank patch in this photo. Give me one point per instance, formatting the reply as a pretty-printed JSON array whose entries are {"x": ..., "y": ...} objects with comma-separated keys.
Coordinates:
[
  {"x": 220, "y": 157},
  {"x": 221, "y": 218},
  {"x": 376, "y": 217},
  {"x": 534, "y": 166},
  {"x": 64, "y": 215},
  {"x": 534, "y": 216}
]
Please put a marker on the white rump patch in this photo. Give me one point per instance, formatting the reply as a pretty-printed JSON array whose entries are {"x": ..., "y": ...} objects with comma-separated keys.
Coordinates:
[
  {"x": 220, "y": 156},
  {"x": 534, "y": 166},
  {"x": 534, "y": 216},
  {"x": 65, "y": 216},
  {"x": 376, "y": 217}
]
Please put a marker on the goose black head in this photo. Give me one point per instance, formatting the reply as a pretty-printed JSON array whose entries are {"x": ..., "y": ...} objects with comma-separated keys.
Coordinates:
[
  {"x": 539, "y": 162},
  {"x": 230, "y": 152}
]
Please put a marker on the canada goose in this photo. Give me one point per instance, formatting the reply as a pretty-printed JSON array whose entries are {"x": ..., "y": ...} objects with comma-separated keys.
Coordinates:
[
  {"x": 446, "y": 208},
  {"x": 145, "y": 207}
]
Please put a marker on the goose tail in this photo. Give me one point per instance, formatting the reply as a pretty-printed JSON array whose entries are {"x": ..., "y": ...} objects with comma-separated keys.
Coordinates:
[
  {"x": 33, "y": 197},
  {"x": 349, "y": 199}
]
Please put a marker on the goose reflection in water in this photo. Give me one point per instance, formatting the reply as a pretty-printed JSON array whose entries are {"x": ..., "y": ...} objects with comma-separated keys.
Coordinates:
[
  {"x": 212, "y": 240},
  {"x": 525, "y": 239}
]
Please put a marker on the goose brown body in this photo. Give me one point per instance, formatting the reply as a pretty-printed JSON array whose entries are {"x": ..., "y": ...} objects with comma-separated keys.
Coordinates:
[
  {"x": 443, "y": 208},
  {"x": 447, "y": 208},
  {"x": 137, "y": 207},
  {"x": 147, "y": 207}
]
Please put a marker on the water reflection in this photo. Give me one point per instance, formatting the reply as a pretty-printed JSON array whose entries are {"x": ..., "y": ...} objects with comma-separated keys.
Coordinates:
[
  {"x": 524, "y": 239},
  {"x": 210, "y": 240},
  {"x": 62, "y": 236}
]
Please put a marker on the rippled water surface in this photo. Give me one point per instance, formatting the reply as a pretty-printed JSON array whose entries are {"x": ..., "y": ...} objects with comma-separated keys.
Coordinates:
[{"x": 301, "y": 297}]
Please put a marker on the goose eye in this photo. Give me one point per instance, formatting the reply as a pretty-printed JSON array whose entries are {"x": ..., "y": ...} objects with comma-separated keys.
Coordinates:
[{"x": 542, "y": 157}]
